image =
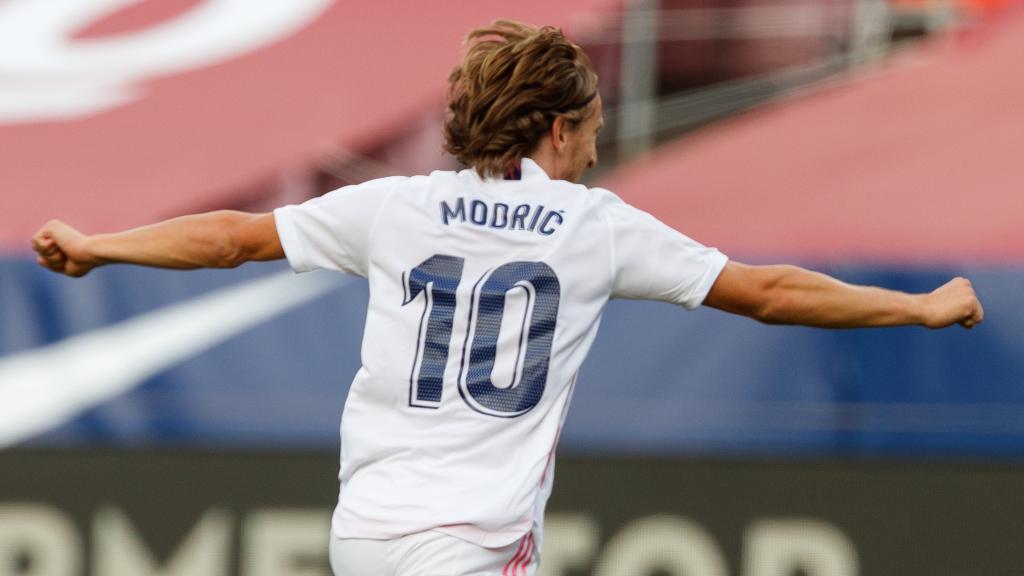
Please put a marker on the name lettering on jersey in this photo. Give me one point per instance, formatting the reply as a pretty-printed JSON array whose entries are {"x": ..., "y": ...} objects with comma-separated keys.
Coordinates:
[{"x": 527, "y": 217}]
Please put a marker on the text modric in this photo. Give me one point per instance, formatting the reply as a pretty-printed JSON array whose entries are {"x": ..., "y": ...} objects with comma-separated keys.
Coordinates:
[{"x": 526, "y": 217}]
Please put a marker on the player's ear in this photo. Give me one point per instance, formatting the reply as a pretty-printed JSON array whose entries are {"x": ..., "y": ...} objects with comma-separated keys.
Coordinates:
[{"x": 558, "y": 133}]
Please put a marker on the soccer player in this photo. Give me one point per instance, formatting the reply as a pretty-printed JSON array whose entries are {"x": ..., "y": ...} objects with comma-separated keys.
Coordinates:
[{"x": 486, "y": 289}]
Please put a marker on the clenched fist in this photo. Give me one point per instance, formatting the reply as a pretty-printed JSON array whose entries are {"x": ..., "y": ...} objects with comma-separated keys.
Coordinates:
[
  {"x": 952, "y": 303},
  {"x": 63, "y": 249}
]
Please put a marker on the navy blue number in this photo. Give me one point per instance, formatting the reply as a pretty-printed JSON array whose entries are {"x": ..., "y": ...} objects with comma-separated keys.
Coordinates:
[
  {"x": 538, "y": 281},
  {"x": 437, "y": 277}
]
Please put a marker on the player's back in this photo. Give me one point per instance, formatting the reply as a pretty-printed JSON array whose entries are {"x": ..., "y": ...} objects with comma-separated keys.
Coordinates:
[{"x": 484, "y": 298}]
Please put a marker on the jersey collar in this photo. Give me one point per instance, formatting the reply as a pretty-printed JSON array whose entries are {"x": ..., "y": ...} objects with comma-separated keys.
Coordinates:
[
  {"x": 528, "y": 170},
  {"x": 532, "y": 171}
]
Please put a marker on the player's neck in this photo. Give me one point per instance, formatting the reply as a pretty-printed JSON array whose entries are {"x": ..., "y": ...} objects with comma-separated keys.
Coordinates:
[{"x": 546, "y": 157}]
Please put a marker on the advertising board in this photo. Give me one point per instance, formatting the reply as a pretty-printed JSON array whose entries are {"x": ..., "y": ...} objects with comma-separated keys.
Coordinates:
[{"x": 106, "y": 513}]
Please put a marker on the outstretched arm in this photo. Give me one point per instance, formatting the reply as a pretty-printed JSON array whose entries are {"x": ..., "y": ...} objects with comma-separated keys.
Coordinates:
[
  {"x": 793, "y": 295},
  {"x": 221, "y": 239}
]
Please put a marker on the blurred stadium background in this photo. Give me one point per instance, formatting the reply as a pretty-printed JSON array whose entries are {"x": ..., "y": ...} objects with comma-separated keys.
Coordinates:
[{"x": 161, "y": 423}]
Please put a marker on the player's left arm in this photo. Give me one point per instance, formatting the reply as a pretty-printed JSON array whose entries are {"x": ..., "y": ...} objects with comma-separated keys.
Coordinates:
[
  {"x": 793, "y": 295},
  {"x": 220, "y": 239}
]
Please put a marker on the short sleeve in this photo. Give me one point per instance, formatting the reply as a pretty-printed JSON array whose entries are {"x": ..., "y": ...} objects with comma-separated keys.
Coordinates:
[
  {"x": 332, "y": 232},
  {"x": 653, "y": 261}
]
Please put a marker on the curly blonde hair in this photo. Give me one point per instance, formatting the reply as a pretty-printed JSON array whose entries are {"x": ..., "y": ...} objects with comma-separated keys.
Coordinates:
[{"x": 514, "y": 81}]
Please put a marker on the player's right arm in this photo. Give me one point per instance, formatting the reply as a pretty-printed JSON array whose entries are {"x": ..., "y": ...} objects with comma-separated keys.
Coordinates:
[
  {"x": 654, "y": 261},
  {"x": 221, "y": 239},
  {"x": 793, "y": 295}
]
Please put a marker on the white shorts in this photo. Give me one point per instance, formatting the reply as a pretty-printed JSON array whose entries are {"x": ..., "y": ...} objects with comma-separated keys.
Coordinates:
[{"x": 431, "y": 554}]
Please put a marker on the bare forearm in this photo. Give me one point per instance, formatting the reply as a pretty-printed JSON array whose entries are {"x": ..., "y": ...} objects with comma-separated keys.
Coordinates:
[
  {"x": 221, "y": 239},
  {"x": 793, "y": 295},
  {"x": 799, "y": 296},
  {"x": 196, "y": 241}
]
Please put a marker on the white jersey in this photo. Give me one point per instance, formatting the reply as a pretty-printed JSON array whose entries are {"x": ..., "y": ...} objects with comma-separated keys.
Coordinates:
[{"x": 485, "y": 296}]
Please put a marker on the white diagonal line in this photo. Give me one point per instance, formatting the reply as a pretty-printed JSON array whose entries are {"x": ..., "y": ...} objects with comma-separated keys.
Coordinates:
[{"x": 44, "y": 387}]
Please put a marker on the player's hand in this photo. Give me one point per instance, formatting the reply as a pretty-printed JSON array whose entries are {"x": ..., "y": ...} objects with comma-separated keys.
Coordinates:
[
  {"x": 62, "y": 249},
  {"x": 953, "y": 303}
]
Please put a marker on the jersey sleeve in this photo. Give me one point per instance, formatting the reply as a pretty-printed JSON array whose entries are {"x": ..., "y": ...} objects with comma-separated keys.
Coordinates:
[
  {"x": 652, "y": 261},
  {"x": 332, "y": 232}
]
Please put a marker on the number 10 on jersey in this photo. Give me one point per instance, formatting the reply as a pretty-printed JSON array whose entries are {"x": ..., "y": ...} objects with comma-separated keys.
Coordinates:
[{"x": 435, "y": 281}]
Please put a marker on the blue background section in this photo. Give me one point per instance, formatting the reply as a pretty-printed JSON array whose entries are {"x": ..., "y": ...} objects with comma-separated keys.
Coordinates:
[{"x": 658, "y": 381}]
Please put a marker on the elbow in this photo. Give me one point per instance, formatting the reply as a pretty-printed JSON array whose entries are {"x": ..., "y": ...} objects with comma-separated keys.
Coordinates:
[
  {"x": 762, "y": 293},
  {"x": 782, "y": 306},
  {"x": 771, "y": 311},
  {"x": 776, "y": 305},
  {"x": 230, "y": 257},
  {"x": 229, "y": 249}
]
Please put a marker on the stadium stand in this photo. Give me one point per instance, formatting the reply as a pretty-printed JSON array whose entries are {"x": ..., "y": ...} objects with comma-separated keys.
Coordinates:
[{"x": 916, "y": 202}]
